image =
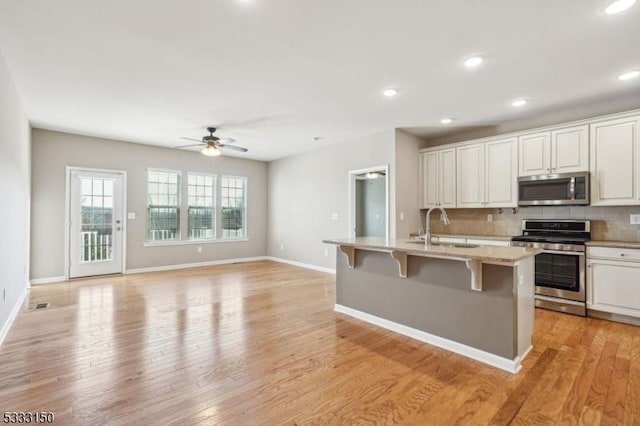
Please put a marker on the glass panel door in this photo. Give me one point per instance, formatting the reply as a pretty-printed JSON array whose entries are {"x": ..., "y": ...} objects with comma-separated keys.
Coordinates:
[{"x": 96, "y": 223}]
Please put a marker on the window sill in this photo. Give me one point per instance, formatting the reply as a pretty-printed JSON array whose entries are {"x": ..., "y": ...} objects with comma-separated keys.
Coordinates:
[{"x": 191, "y": 242}]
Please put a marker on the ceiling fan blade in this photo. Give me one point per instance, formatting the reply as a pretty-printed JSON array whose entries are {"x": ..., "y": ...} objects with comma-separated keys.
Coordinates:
[
  {"x": 190, "y": 139},
  {"x": 228, "y": 140},
  {"x": 188, "y": 146},
  {"x": 235, "y": 148}
]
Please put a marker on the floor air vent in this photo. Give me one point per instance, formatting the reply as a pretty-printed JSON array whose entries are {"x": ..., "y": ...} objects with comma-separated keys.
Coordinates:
[{"x": 42, "y": 305}]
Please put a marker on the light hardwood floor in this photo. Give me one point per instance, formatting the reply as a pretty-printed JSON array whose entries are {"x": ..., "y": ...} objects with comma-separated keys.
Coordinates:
[{"x": 259, "y": 343}]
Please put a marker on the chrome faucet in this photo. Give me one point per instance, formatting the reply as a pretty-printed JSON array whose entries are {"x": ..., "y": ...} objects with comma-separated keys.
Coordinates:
[{"x": 427, "y": 233}]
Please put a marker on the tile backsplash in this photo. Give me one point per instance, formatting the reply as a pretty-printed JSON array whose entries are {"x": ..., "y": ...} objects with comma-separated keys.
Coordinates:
[{"x": 607, "y": 223}]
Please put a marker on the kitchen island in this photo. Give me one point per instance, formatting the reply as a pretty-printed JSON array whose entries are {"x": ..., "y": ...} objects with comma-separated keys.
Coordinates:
[{"x": 473, "y": 300}]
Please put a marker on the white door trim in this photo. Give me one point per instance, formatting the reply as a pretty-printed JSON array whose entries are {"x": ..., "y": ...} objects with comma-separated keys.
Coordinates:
[
  {"x": 67, "y": 214},
  {"x": 351, "y": 232}
]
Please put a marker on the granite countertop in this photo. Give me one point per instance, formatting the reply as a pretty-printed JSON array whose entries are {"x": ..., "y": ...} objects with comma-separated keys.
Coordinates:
[
  {"x": 483, "y": 253},
  {"x": 471, "y": 236},
  {"x": 614, "y": 244}
]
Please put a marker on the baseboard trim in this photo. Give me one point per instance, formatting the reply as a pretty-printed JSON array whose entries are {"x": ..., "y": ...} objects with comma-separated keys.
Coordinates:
[
  {"x": 47, "y": 280},
  {"x": 510, "y": 365},
  {"x": 13, "y": 315},
  {"x": 302, "y": 265},
  {"x": 194, "y": 265}
]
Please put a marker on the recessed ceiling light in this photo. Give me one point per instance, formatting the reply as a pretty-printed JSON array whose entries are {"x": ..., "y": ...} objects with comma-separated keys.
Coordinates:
[
  {"x": 629, "y": 75},
  {"x": 390, "y": 92},
  {"x": 473, "y": 61},
  {"x": 619, "y": 6},
  {"x": 446, "y": 120},
  {"x": 519, "y": 102}
]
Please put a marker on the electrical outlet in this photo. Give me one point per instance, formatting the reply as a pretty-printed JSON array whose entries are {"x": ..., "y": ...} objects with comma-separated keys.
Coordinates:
[
  {"x": 634, "y": 219},
  {"x": 131, "y": 215},
  {"x": 489, "y": 218},
  {"x": 281, "y": 246},
  {"x": 199, "y": 249},
  {"x": 401, "y": 216},
  {"x": 326, "y": 252},
  {"x": 334, "y": 216}
]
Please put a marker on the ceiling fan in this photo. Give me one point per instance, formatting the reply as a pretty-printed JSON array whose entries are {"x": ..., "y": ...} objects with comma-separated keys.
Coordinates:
[{"x": 213, "y": 144}]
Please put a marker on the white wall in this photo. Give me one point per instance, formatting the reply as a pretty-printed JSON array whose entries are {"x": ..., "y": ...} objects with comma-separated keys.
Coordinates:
[
  {"x": 407, "y": 183},
  {"x": 14, "y": 190},
  {"x": 53, "y": 151},
  {"x": 306, "y": 189}
]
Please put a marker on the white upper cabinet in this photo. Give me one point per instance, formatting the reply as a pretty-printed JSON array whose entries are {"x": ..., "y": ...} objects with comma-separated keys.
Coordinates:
[
  {"x": 535, "y": 154},
  {"x": 488, "y": 174},
  {"x": 470, "y": 182},
  {"x": 429, "y": 167},
  {"x": 448, "y": 178},
  {"x": 438, "y": 169},
  {"x": 501, "y": 165},
  {"x": 558, "y": 151},
  {"x": 570, "y": 150},
  {"x": 615, "y": 154}
]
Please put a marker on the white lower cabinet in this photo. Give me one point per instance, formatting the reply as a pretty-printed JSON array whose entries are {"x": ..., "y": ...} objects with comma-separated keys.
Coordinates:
[{"x": 613, "y": 280}]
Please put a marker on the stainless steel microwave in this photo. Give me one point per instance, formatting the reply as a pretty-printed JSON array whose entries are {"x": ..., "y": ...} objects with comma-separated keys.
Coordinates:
[{"x": 554, "y": 190}]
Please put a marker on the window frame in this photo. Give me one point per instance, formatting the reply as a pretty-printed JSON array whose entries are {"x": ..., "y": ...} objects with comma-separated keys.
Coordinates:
[
  {"x": 179, "y": 207},
  {"x": 246, "y": 209},
  {"x": 214, "y": 207}
]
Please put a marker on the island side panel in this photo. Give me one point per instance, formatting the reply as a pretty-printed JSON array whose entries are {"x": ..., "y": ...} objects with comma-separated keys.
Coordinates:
[
  {"x": 525, "y": 278},
  {"x": 436, "y": 298}
]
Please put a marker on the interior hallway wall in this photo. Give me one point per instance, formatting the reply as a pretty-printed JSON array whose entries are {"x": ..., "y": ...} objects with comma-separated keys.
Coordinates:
[{"x": 15, "y": 142}]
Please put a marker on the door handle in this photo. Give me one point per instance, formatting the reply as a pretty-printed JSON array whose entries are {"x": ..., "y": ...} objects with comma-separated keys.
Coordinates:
[{"x": 118, "y": 228}]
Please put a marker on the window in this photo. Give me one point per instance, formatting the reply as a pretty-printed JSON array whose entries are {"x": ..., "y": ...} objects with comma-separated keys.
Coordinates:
[
  {"x": 201, "y": 211},
  {"x": 163, "y": 205},
  {"x": 234, "y": 206}
]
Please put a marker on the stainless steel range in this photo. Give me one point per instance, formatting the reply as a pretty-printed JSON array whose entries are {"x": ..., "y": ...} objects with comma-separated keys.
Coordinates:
[{"x": 560, "y": 268}]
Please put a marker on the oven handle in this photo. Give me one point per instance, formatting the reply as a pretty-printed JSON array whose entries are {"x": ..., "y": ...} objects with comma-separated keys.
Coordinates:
[{"x": 571, "y": 253}]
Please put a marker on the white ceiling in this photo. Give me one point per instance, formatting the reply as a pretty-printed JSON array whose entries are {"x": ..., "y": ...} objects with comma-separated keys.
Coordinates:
[{"x": 275, "y": 73}]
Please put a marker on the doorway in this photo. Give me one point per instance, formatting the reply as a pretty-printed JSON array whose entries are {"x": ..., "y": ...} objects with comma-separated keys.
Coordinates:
[
  {"x": 369, "y": 202},
  {"x": 96, "y": 233}
]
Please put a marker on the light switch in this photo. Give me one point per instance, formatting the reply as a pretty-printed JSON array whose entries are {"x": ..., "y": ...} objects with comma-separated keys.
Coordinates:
[
  {"x": 131, "y": 215},
  {"x": 334, "y": 216},
  {"x": 634, "y": 219}
]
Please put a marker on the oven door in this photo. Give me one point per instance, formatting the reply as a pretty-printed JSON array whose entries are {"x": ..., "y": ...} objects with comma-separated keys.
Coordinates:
[{"x": 561, "y": 274}]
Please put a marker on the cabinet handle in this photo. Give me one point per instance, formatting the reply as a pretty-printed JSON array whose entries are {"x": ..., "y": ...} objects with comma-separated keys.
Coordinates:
[{"x": 622, "y": 255}]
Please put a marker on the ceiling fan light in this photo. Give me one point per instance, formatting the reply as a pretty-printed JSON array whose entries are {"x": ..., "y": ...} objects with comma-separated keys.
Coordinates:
[{"x": 210, "y": 151}]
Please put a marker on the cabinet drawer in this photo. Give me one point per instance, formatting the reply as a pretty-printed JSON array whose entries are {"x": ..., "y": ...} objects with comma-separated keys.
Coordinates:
[
  {"x": 614, "y": 253},
  {"x": 500, "y": 243},
  {"x": 450, "y": 240}
]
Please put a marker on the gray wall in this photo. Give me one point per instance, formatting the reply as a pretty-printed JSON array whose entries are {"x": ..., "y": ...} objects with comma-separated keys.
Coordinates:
[
  {"x": 14, "y": 189},
  {"x": 53, "y": 151},
  {"x": 370, "y": 207},
  {"x": 407, "y": 183},
  {"x": 306, "y": 189}
]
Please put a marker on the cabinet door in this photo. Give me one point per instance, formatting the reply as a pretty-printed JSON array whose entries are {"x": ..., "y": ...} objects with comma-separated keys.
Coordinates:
[
  {"x": 447, "y": 178},
  {"x": 535, "y": 154},
  {"x": 570, "y": 150},
  {"x": 614, "y": 287},
  {"x": 429, "y": 179},
  {"x": 470, "y": 175},
  {"x": 614, "y": 162},
  {"x": 501, "y": 170}
]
